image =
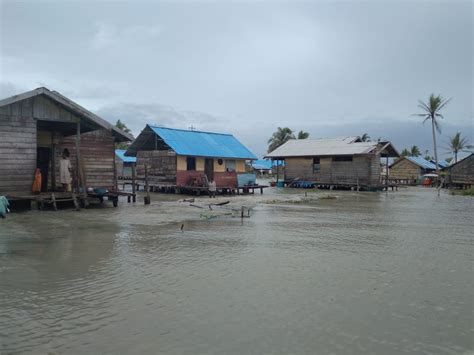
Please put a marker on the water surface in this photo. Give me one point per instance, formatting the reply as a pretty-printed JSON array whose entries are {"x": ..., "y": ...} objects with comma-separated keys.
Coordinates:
[{"x": 366, "y": 273}]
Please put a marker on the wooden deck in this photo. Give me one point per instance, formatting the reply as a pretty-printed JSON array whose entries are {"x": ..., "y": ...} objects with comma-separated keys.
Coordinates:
[
  {"x": 55, "y": 200},
  {"x": 193, "y": 190},
  {"x": 341, "y": 186}
]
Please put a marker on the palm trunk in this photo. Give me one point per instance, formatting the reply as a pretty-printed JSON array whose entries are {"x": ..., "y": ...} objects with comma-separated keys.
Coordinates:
[
  {"x": 455, "y": 157},
  {"x": 435, "y": 151}
]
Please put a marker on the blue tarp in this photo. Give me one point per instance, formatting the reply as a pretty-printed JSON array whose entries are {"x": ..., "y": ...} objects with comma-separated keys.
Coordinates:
[
  {"x": 120, "y": 153},
  {"x": 203, "y": 144},
  {"x": 246, "y": 179}
]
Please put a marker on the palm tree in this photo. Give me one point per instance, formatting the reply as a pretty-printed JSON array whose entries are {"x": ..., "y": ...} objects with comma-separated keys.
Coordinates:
[
  {"x": 405, "y": 153},
  {"x": 415, "y": 151},
  {"x": 122, "y": 126},
  {"x": 432, "y": 112},
  {"x": 365, "y": 138},
  {"x": 281, "y": 136},
  {"x": 458, "y": 144},
  {"x": 302, "y": 135}
]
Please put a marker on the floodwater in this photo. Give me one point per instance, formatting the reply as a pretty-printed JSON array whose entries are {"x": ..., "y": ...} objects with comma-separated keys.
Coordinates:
[{"x": 365, "y": 273}]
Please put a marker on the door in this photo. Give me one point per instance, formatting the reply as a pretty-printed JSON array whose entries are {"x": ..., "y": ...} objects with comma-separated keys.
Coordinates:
[
  {"x": 42, "y": 162},
  {"x": 209, "y": 168}
]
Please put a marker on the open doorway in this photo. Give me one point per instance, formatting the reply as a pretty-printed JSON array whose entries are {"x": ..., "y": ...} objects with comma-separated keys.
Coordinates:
[
  {"x": 209, "y": 168},
  {"x": 43, "y": 159}
]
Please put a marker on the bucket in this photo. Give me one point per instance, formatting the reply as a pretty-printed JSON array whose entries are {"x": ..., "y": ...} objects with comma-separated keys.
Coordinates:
[{"x": 280, "y": 184}]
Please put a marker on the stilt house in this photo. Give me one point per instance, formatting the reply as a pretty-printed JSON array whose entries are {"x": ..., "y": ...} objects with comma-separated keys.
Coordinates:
[
  {"x": 345, "y": 162},
  {"x": 408, "y": 169},
  {"x": 461, "y": 174},
  {"x": 185, "y": 158},
  {"x": 124, "y": 164},
  {"x": 37, "y": 125}
]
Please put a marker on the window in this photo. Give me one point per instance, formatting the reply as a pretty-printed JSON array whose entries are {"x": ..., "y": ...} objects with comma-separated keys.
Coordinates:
[
  {"x": 220, "y": 161},
  {"x": 230, "y": 165},
  {"x": 316, "y": 165},
  {"x": 342, "y": 158},
  {"x": 190, "y": 163}
]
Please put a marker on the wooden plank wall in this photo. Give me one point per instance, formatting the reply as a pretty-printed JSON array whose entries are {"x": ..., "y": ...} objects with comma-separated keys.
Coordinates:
[
  {"x": 463, "y": 172},
  {"x": 17, "y": 151},
  {"x": 405, "y": 170},
  {"x": 363, "y": 169},
  {"x": 97, "y": 152},
  {"x": 161, "y": 166}
]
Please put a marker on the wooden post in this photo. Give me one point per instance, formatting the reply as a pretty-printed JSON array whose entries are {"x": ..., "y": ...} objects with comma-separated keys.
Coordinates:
[
  {"x": 53, "y": 163},
  {"x": 134, "y": 183},
  {"x": 147, "y": 197},
  {"x": 278, "y": 170},
  {"x": 79, "y": 167},
  {"x": 115, "y": 171},
  {"x": 386, "y": 173}
]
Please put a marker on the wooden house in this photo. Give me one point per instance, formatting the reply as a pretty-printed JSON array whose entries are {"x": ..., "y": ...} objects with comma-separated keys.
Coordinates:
[
  {"x": 345, "y": 162},
  {"x": 187, "y": 158},
  {"x": 408, "y": 170},
  {"x": 461, "y": 174},
  {"x": 124, "y": 165},
  {"x": 37, "y": 125}
]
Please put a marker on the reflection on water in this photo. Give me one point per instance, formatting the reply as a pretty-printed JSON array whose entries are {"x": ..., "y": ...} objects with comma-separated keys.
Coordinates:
[{"x": 365, "y": 273}]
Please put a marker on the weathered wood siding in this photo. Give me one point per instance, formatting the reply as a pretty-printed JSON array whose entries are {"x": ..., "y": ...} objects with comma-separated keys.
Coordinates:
[
  {"x": 404, "y": 169},
  {"x": 161, "y": 166},
  {"x": 363, "y": 169},
  {"x": 39, "y": 107},
  {"x": 17, "y": 150},
  {"x": 97, "y": 153},
  {"x": 462, "y": 173},
  {"x": 299, "y": 168}
]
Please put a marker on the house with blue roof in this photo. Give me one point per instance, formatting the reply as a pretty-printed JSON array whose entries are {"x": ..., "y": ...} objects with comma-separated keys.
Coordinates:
[
  {"x": 123, "y": 164},
  {"x": 266, "y": 166},
  {"x": 409, "y": 169},
  {"x": 185, "y": 158}
]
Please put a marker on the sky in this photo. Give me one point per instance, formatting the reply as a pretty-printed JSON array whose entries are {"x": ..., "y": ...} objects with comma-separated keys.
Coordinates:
[{"x": 331, "y": 68}]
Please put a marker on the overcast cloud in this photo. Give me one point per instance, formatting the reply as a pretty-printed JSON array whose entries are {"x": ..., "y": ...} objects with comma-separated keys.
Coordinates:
[{"x": 330, "y": 68}]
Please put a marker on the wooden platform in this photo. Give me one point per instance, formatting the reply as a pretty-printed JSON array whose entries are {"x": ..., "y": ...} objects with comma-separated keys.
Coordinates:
[
  {"x": 343, "y": 186},
  {"x": 56, "y": 199},
  {"x": 198, "y": 190}
]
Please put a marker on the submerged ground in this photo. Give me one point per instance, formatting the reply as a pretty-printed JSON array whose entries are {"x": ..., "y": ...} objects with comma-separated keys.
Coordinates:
[{"x": 365, "y": 273}]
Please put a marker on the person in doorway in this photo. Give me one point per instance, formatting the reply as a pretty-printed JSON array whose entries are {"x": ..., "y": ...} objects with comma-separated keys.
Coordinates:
[
  {"x": 212, "y": 189},
  {"x": 65, "y": 171}
]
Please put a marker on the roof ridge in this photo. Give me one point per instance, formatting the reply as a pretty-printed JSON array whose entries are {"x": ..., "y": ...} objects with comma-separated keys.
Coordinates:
[{"x": 190, "y": 130}]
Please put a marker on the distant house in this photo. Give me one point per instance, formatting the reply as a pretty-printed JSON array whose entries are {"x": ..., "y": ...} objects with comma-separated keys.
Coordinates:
[
  {"x": 185, "y": 158},
  {"x": 409, "y": 169},
  {"x": 339, "y": 162},
  {"x": 461, "y": 174},
  {"x": 37, "y": 125},
  {"x": 124, "y": 164},
  {"x": 267, "y": 166}
]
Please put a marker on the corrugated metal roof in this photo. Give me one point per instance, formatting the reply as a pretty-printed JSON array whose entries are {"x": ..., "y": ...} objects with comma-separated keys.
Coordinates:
[
  {"x": 442, "y": 163},
  {"x": 204, "y": 144},
  {"x": 120, "y": 153},
  {"x": 422, "y": 162},
  {"x": 321, "y": 147}
]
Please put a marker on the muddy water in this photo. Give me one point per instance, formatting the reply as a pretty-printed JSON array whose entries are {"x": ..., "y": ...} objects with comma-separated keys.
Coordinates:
[{"x": 367, "y": 273}]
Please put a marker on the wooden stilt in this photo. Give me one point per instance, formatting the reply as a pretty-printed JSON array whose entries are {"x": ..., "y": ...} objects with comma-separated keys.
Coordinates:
[{"x": 134, "y": 183}]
